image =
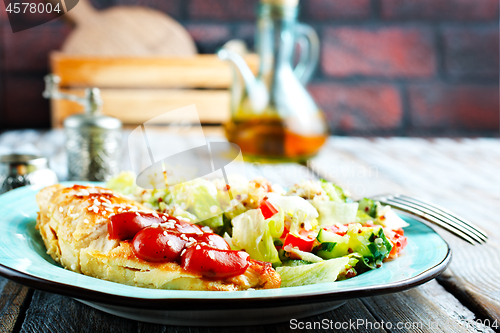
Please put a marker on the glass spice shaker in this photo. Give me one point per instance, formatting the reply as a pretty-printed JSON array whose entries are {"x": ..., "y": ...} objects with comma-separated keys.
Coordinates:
[
  {"x": 93, "y": 140},
  {"x": 18, "y": 170}
]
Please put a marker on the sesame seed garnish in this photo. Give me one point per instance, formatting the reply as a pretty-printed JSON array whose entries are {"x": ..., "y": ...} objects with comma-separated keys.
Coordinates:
[
  {"x": 164, "y": 218},
  {"x": 155, "y": 225},
  {"x": 183, "y": 251},
  {"x": 198, "y": 247},
  {"x": 211, "y": 255}
]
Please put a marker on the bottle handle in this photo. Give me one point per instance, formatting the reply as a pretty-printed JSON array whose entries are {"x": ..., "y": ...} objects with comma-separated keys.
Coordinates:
[{"x": 308, "y": 41}]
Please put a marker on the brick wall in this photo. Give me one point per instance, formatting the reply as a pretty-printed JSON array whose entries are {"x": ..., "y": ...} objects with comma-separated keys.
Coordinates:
[{"x": 390, "y": 67}]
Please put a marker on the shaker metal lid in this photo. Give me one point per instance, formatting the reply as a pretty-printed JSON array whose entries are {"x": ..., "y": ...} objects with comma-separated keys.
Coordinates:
[{"x": 92, "y": 120}]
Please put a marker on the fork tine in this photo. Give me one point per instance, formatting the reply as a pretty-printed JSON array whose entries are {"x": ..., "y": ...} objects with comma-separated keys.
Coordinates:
[
  {"x": 446, "y": 213},
  {"x": 431, "y": 219},
  {"x": 445, "y": 219}
]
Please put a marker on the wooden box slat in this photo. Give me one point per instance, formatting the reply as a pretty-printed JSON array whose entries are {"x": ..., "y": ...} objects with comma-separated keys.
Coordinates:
[
  {"x": 136, "y": 89},
  {"x": 200, "y": 71},
  {"x": 135, "y": 106}
]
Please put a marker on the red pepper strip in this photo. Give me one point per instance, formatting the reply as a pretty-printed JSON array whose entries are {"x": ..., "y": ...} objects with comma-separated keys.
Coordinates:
[
  {"x": 267, "y": 209},
  {"x": 302, "y": 243}
]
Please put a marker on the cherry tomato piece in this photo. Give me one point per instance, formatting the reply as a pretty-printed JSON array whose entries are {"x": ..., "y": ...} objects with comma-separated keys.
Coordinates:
[
  {"x": 302, "y": 243},
  {"x": 267, "y": 208},
  {"x": 397, "y": 240},
  {"x": 157, "y": 245},
  {"x": 188, "y": 228},
  {"x": 215, "y": 263},
  {"x": 214, "y": 241},
  {"x": 125, "y": 225}
]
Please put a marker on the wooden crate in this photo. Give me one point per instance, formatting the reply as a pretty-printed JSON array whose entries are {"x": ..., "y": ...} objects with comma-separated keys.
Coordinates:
[{"x": 136, "y": 89}]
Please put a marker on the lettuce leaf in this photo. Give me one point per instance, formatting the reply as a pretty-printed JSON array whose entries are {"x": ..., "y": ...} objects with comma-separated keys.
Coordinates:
[
  {"x": 199, "y": 197},
  {"x": 332, "y": 212},
  {"x": 123, "y": 183},
  {"x": 320, "y": 272},
  {"x": 295, "y": 209},
  {"x": 255, "y": 235}
]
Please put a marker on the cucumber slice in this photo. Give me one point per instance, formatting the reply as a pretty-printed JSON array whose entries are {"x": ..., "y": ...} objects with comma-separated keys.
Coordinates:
[
  {"x": 370, "y": 243},
  {"x": 325, "y": 250},
  {"x": 293, "y": 263},
  {"x": 368, "y": 206},
  {"x": 336, "y": 193},
  {"x": 329, "y": 237},
  {"x": 321, "y": 272},
  {"x": 341, "y": 247}
]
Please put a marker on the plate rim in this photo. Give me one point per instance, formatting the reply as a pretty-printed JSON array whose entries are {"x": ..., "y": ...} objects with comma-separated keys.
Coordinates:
[{"x": 194, "y": 304}]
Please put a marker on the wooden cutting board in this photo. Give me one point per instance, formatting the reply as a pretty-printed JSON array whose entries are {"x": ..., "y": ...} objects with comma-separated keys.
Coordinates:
[{"x": 125, "y": 31}]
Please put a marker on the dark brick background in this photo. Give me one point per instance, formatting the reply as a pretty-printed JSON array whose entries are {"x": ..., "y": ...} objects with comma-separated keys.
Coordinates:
[{"x": 388, "y": 67}]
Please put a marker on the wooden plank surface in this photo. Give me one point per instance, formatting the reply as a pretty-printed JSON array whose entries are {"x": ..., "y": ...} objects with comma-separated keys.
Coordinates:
[
  {"x": 200, "y": 71},
  {"x": 12, "y": 306},
  {"x": 136, "y": 106},
  {"x": 451, "y": 173}
]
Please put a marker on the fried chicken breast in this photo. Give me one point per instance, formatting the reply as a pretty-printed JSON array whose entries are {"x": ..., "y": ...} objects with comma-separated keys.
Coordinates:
[{"x": 73, "y": 223}]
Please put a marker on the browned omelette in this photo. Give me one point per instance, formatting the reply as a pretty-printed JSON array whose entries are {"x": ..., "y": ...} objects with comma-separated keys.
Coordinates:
[{"x": 73, "y": 222}]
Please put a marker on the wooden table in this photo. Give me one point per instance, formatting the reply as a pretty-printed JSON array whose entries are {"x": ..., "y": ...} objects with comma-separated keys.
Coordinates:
[{"x": 462, "y": 175}]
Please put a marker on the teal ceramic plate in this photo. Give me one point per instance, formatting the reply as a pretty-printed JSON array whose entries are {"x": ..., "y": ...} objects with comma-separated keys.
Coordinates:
[{"x": 23, "y": 259}]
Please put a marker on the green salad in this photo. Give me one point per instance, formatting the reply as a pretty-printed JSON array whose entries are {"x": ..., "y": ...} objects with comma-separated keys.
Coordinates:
[{"x": 312, "y": 232}]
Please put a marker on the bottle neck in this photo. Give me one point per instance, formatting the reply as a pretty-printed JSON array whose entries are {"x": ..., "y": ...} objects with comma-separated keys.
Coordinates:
[{"x": 275, "y": 37}]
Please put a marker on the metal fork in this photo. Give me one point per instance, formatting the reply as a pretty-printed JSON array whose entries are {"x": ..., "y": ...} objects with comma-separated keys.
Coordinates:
[{"x": 437, "y": 215}]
